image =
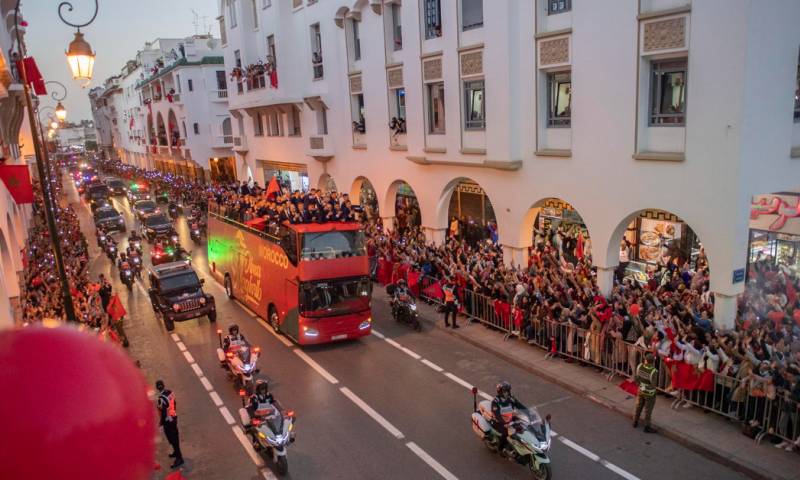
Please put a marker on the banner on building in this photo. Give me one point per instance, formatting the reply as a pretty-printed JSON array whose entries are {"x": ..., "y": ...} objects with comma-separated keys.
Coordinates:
[{"x": 17, "y": 179}]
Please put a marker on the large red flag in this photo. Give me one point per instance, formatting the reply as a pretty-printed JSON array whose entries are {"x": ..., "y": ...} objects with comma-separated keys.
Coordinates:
[
  {"x": 115, "y": 309},
  {"x": 18, "y": 182},
  {"x": 33, "y": 75},
  {"x": 273, "y": 187}
]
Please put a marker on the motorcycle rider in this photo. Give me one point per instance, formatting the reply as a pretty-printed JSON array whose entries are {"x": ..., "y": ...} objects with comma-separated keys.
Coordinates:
[
  {"x": 122, "y": 263},
  {"x": 401, "y": 290},
  {"x": 503, "y": 407},
  {"x": 261, "y": 399},
  {"x": 233, "y": 337}
]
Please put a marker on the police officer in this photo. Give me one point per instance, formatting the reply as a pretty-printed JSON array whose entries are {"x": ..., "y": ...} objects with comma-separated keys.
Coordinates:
[
  {"x": 646, "y": 377},
  {"x": 169, "y": 420},
  {"x": 503, "y": 406},
  {"x": 450, "y": 302},
  {"x": 233, "y": 337}
]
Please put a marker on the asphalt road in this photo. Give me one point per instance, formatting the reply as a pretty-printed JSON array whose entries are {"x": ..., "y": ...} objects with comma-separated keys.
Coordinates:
[{"x": 395, "y": 405}]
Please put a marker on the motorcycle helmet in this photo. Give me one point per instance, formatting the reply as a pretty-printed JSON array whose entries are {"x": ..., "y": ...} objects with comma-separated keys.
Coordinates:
[
  {"x": 503, "y": 387},
  {"x": 402, "y": 283},
  {"x": 262, "y": 387},
  {"x": 159, "y": 385},
  {"x": 233, "y": 329}
]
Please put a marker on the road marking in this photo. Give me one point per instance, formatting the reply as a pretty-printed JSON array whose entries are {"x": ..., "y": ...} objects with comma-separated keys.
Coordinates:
[
  {"x": 459, "y": 381},
  {"x": 622, "y": 473},
  {"x": 226, "y": 414},
  {"x": 246, "y": 308},
  {"x": 579, "y": 449},
  {"x": 432, "y": 365},
  {"x": 557, "y": 400},
  {"x": 197, "y": 370},
  {"x": 378, "y": 334},
  {"x": 485, "y": 395},
  {"x": 175, "y": 337},
  {"x": 431, "y": 461},
  {"x": 215, "y": 398},
  {"x": 393, "y": 343},
  {"x": 277, "y": 335},
  {"x": 181, "y": 346},
  {"x": 316, "y": 366},
  {"x": 206, "y": 384},
  {"x": 189, "y": 357},
  {"x": 268, "y": 474},
  {"x": 408, "y": 351},
  {"x": 248, "y": 446},
  {"x": 372, "y": 413}
]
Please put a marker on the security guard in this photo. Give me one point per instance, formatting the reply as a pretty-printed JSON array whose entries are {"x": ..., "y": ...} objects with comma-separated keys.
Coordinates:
[
  {"x": 169, "y": 420},
  {"x": 646, "y": 377},
  {"x": 450, "y": 302}
]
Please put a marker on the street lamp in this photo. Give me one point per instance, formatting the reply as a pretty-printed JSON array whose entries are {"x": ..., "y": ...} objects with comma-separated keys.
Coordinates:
[
  {"x": 61, "y": 112},
  {"x": 53, "y": 125},
  {"x": 80, "y": 56}
]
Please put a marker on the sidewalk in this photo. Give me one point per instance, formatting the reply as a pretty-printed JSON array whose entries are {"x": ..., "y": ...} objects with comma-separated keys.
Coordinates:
[{"x": 705, "y": 433}]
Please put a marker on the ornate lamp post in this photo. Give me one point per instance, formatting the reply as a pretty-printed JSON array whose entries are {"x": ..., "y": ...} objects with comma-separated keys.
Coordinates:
[{"x": 79, "y": 54}]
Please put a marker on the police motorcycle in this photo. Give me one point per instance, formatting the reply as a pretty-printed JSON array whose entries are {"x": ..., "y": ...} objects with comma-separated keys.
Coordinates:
[
  {"x": 270, "y": 427},
  {"x": 126, "y": 272},
  {"x": 101, "y": 235},
  {"x": 174, "y": 210},
  {"x": 528, "y": 436},
  {"x": 196, "y": 230},
  {"x": 135, "y": 258},
  {"x": 135, "y": 244},
  {"x": 110, "y": 247},
  {"x": 240, "y": 362},
  {"x": 404, "y": 307}
]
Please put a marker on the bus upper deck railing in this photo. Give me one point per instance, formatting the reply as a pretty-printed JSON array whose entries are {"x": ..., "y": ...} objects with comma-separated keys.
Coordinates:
[{"x": 223, "y": 218}]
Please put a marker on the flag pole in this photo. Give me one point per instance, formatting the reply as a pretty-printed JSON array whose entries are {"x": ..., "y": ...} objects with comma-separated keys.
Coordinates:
[{"x": 44, "y": 180}]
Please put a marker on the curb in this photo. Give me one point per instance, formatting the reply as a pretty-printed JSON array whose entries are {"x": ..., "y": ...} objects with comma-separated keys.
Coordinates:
[{"x": 736, "y": 464}]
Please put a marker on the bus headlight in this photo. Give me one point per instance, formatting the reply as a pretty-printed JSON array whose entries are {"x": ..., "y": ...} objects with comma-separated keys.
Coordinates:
[
  {"x": 310, "y": 332},
  {"x": 365, "y": 324}
]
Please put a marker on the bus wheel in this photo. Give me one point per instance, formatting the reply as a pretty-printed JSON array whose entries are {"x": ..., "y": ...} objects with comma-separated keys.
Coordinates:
[
  {"x": 273, "y": 318},
  {"x": 228, "y": 286}
]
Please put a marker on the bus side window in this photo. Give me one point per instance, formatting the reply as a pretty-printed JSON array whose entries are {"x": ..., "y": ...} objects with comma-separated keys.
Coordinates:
[{"x": 289, "y": 245}]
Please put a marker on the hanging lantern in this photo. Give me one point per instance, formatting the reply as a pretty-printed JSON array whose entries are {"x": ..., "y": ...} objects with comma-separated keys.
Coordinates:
[
  {"x": 61, "y": 112},
  {"x": 80, "y": 58}
]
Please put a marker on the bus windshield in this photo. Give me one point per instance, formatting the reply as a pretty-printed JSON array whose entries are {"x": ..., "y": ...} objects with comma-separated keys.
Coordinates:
[
  {"x": 335, "y": 244},
  {"x": 335, "y": 297}
]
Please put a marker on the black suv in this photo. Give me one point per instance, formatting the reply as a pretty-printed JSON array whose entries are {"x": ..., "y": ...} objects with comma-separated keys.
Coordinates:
[
  {"x": 177, "y": 294},
  {"x": 109, "y": 218},
  {"x": 156, "y": 225},
  {"x": 116, "y": 186},
  {"x": 98, "y": 195}
]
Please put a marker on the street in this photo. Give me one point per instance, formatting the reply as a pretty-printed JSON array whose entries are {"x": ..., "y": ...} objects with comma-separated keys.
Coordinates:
[{"x": 393, "y": 405}]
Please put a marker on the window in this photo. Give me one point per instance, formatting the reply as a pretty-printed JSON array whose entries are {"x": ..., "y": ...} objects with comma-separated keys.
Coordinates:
[
  {"x": 178, "y": 83},
  {"x": 558, "y": 6},
  {"x": 183, "y": 128},
  {"x": 190, "y": 85},
  {"x": 237, "y": 57},
  {"x": 294, "y": 119},
  {"x": 316, "y": 51},
  {"x": 397, "y": 29},
  {"x": 433, "y": 19},
  {"x": 222, "y": 80},
  {"x": 668, "y": 93},
  {"x": 258, "y": 126},
  {"x": 356, "y": 41},
  {"x": 255, "y": 13},
  {"x": 222, "y": 34},
  {"x": 797, "y": 93},
  {"x": 559, "y": 99},
  {"x": 271, "y": 54},
  {"x": 275, "y": 124},
  {"x": 322, "y": 121},
  {"x": 232, "y": 12},
  {"x": 400, "y": 103},
  {"x": 359, "y": 122},
  {"x": 471, "y": 14},
  {"x": 474, "y": 105},
  {"x": 266, "y": 3},
  {"x": 436, "y": 107},
  {"x": 196, "y": 128}
]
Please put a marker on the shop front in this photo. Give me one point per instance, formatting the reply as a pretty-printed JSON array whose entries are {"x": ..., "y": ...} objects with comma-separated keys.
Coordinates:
[
  {"x": 775, "y": 231},
  {"x": 223, "y": 169},
  {"x": 555, "y": 216},
  {"x": 291, "y": 176}
]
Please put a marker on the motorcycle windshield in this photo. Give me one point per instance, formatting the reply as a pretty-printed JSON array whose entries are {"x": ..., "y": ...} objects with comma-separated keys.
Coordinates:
[
  {"x": 275, "y": 423},
  {"x": 531, "y": 424}
]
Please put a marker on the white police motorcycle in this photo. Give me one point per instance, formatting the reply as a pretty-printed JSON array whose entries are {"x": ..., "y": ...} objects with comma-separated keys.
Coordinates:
[{"x": 272, "y": 430}]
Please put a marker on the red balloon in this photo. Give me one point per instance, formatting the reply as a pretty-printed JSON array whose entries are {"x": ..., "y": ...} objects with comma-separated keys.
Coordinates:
[{"x": 73, "y": 407}]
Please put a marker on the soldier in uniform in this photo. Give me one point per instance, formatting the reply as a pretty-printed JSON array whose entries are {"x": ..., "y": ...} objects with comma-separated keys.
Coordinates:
[{"x": 646, "y": 378}]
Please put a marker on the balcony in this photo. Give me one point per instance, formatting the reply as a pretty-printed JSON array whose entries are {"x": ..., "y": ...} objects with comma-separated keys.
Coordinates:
[
  {"x": 176, "y": 97},
  {"x": 239, "y": 144},
  {"x": 164, "y": 150},
  {"x": 223, "y": 141},
  {"x": 320, "y": 147},
  {"x": 218, "y": 95}
]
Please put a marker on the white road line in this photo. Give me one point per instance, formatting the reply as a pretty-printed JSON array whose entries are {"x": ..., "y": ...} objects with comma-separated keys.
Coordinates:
[
  {"x": 206, "y": 384},
  {"x": 393, "y": 343},
  {"x": 579, "y": 449},
  {"x": 189, "y": 357},
  {"x": 181, "y": 346},
  {"x": 378, "y": 334},
  {"x": 459, "y": 381},
  {"x": 316, "y": 366},
  {"x": 622, "y": 473},
  {"x": 268, "y": 474},
  {"x": 411, "y": 353},
  {"x": 215, "y": 398},
  {"x": 372, "y": 413},
  {"x": 247, "y": 309},
  {"x": 432, "y": 365},
  {"x": 226, "y": 414},
  {"x": 247, "y": 445},
  {"x": 175, "y": 337},
  {"x": 556, "y": 400},
  {"x": 197, "y": 370},
  {"x": 485, "y": 395},
  {"x": 431, "y": 461}
]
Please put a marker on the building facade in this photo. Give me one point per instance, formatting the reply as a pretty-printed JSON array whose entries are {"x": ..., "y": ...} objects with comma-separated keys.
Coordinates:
[
  {"x": 680, "y": 112},
  {"x": 77, "y": 136},
  {"x": 168, "y": 110}
]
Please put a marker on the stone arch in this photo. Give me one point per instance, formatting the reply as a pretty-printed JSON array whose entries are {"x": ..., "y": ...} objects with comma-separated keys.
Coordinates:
[
  {"x": 161, "y": 129},
  {"x": 363, "y": 193},
  {"x": 14, "y": 241},
  {"x": 173, "y": 131},
  {"x": 151, "y": 131},
  {"x": 326, "y": 183},
  {"x": 548, "y": 215},
  {"x": 465, "y": 199},
  {"x": 400, "y": 193},
  {"x": 227, "y": 128},
  {"x": 7, "y": 263},
  {"x": 340, "y": 15}
]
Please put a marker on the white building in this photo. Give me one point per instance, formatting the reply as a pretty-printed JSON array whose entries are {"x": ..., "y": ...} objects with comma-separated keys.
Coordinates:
[
  {"x": 75, "y": 136},
  {"x": 170, "y": 106},
  {"x": 682, "y": 111},
  {"x": 16, "y": 147},
  {"x": 102, "y": 114}
]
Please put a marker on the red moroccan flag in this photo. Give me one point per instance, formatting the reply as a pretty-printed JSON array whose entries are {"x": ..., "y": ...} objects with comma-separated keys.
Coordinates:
[
  {"x": 273, "y": 188},
  {"x": 33, "y": 75},
  {"x": 115, "y": 309},
  {"x": 18, "y": 182}
]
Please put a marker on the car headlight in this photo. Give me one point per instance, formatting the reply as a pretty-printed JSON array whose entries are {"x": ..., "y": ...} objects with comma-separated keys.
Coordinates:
[
  {"x": 202, "y": 300},
  {"x": 121, "y": 220},
  {"x": 150, "y": 230},
  {"x": 310, "y": 332},
  {"x": 413, "y": 307},
  {"x": 176, "y": 307}
]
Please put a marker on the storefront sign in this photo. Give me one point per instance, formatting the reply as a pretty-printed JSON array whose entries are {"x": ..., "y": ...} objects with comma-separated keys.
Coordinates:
[
  {"x": 738, "y": 275},
  {"x": 773, "y": 212}
]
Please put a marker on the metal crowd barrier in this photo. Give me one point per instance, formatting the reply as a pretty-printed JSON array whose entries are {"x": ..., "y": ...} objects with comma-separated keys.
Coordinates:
[{"x": 741, "y": 399}]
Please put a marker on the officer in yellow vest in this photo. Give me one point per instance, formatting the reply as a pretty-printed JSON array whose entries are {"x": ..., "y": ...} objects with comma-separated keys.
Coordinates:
[
  {"x": 168, "y": 420},
  {"x": 450, "y": 302},
  {"x": 646, "y": 378}
]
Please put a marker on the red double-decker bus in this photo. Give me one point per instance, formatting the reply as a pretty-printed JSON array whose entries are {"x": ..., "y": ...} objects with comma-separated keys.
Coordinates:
[{"x": 309, "y": 281}]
